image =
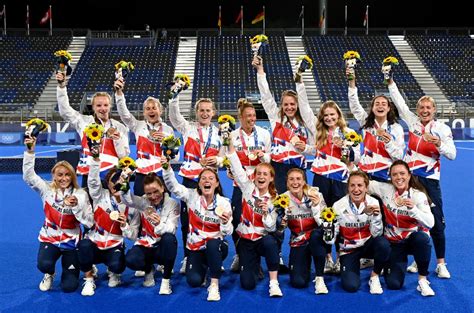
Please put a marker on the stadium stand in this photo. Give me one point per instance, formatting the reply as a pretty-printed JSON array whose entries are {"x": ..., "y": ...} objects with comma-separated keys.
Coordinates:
[
  {"x": 153, "y": 69},
  {"x": 26, "y": 64},
  {"x": 327, "y": 52},
  {"x": 449, "y": 60},
  {"x": 224, "y": 72}
]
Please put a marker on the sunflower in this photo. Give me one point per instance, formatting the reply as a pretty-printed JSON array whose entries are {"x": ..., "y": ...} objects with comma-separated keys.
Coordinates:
[
  {"x": 226, "y": 162},
  {"x": 37, "y": 121},
  {"x": 94, "y": 131},
  {"x": 328, "y": 214},
  {"x": 282, "y": 201},
  {"x": 124, "y": 65},
  {"x": 126, "y": 162},
  {"x": 258, "y": 38},
  {"x": 63, "y": 53},
  {"x": 390, "y": 60},
  {"x": 307, "y": 59},
  {"x": 353, "y": 137},
  {"x": 351, "y": 55},
  {"x": 226, "y": 118},
  {"x": 184, "y": 78}
]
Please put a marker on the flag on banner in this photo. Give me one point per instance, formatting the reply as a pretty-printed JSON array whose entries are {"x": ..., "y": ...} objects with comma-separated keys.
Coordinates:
[
  {"x": 27, "y": 15},
  {"x": 219, "y": 21},
  {"x": 46, "y": 17},
  {"x": 366, "y": 16},
  {"x": 322, "y": 18},
  {"x": 239, "y": 17},
  {"x": 3, "y": 12},
  {"x": 260, "y": 17}
]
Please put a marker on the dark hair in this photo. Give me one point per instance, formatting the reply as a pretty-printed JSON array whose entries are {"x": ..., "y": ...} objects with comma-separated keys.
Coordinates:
[
  {"x": 113, "y": 174},
  {"x": 359, "y": 173},
  {"x": 392, "y": 115},
  {"x": 413, "y": 182},
  {"x": 218, "y": 188},
  {"x": 151, "y": 178}
]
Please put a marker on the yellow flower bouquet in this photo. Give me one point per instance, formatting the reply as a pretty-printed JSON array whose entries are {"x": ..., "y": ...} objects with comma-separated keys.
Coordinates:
[
  {"x": 181, "y": 82},
  {"x": 328, "y": 223},
  {"x": 351, "y": 59},
  {"x": 34, "y": 127},
  {"x": 123, "y": 68},
  {"x": 126, "y": 167},
  {"x": 63, "y": 58},
  {"x": 257, "y": 43},
  {"x": 303, "y": 63},
  {"x": 94, "y": 133},
  {"x": 226, "y": 125},
  {"x": 281, "y": 205},
  {"x": 387, "y": 68},
  {"x": 170, "y": 148},
  {"x": 351, "y": 139}
]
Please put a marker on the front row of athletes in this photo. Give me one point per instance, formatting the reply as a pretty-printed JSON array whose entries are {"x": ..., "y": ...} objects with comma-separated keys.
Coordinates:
[{"x": 151, "y": 220}]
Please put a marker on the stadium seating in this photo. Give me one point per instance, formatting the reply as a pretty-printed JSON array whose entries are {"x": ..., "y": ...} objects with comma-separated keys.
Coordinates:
[
  {"x": 449, "y": 60},
  {"x": 327, "y": 53},
  {"x": 26, "y": 64},
  {"x": 154, "y": 68},
  {"x": 224, "y": 72}
]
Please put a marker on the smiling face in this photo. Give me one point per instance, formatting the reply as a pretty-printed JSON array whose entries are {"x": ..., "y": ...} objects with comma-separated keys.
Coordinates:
[
  {"x": 62, "y": 177},
  {"x": 357, "y": 188},
  {"x": 263, "y": 177},
  {"x": 426, "y": 111},
  {"x": 400, "y": 177},
  {"x": 295, "y": 182},
  {"x": 248, "y": 119},
  {"x": 205, "y": 112},
  {"x": 289, "y": 105},
  {"x": 208, "y": 183},
  {"x": 154, "y": 193},
  {"x": 101, "y": 107},
  {"x": 381, "y": 107},
  {"x": 330, "y": 117},
  {"x": 151, "y": 112}
]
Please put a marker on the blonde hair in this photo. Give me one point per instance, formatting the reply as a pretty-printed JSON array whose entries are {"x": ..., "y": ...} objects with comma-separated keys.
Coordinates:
[
  {"x": 71, "y": 171},
  {"x": 101, "y": 94},
  {"x": 322, "y": 130},
  {"x": 155, "y": 101},
  {"x": 201, "y": 100},
  {"x": 243, "y": 104},
  {"x": 426, "y": 98}
]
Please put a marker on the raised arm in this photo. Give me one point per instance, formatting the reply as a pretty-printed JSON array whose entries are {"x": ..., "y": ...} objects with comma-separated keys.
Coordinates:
[
  {"x": 29, "y": 175},
  {"x": 396, "y": 146},
  {"x": 268, "y": 101},
  {"x": 240, "y": 176},
  {"x": 402, "y": 107},
  {"x": 176, "y": 118},
  {"x": 169, "y": 217},
  {"x": 122, "y": 143},
  {"x": 173, "y": 186},
  {"x": 93, "y": 180},
  {"x": 355, "y": 106},
  {"x": 127, "y": 118},
  {"x": 65, "y": 110},
  {"x": 306, "y": 112}
]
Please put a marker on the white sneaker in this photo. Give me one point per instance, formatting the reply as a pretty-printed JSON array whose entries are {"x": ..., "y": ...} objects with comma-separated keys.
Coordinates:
[
  {"x": 413, "y": 268},
  {"x": 88, "y": 288},
  {"x": 336, "y": 269},
  {"x": 165, "y": 287},
  {"x": 213, "y": 293},
  {"x": 182, "y": 270},
  {"x": 442, "y": 271},
  {"x": 275, "y": 290},
  {"x": 140, "y": 273},
  {"x": 47, "y": 282},
  {"x": 366, "y": 263},
  {"x": 114, "y": 280},
  {"x": 319, "y": 286},
  {"x": 375, "y": 286},
  {"x": 235, "y": 266},
  {"x": 149, "y": 279},
  {"x": 328, "y": 266},
  {"x": 424, "y": 288},
  {"x": 95, "y": 271}
]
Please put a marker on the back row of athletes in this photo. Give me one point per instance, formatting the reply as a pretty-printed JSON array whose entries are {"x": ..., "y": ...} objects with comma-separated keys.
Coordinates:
[{"x": 262, "y": 166}]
